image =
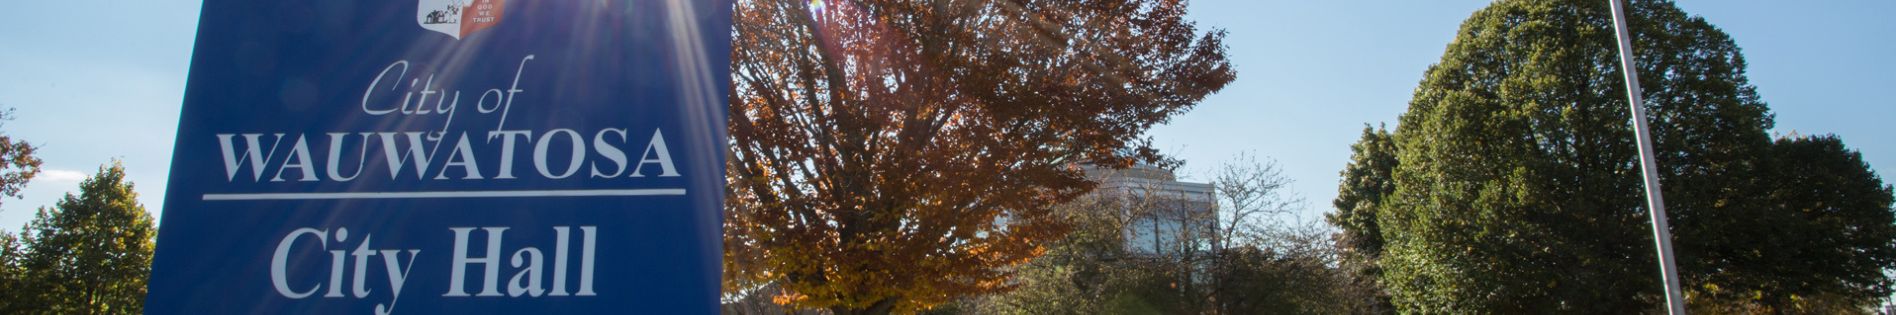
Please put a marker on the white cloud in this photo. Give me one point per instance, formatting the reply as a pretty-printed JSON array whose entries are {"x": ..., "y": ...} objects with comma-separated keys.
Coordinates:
[{"x": 60, "y": 176}]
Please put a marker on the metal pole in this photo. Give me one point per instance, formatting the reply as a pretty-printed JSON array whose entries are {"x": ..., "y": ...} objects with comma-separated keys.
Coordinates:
[{"x": 1661, "y": 233}]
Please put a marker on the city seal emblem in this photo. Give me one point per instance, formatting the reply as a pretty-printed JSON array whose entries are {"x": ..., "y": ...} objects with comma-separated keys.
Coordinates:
[{"x": 459, "y": 18}]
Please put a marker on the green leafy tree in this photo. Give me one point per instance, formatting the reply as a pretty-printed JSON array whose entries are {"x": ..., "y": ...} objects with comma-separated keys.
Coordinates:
[
  {"x": 1828, "y": 223},
  {"x": 1085, "y": 272},
  {"x": 1366, "y": 181},
  {"x": 89, "y": 254},
  {"x": 12, "y": 276},
  {"x": 1517, "y": 190}
]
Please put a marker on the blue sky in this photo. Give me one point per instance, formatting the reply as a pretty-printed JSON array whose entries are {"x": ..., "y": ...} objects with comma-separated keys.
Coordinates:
[{"x": 94, "y": 80}]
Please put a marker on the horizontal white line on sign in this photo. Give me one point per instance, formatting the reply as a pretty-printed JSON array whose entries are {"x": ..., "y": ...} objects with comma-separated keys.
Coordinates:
[{"x": 452, "y": 194}]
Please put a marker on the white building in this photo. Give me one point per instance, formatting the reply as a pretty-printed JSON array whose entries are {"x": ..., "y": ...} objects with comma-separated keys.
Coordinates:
[{"x": 1166, "y": 216}]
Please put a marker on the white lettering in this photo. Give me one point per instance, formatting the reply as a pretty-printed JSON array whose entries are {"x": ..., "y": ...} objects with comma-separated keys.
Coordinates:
[
  {"x": 586, "y": 260},
  {"x": 457, "y": 277},
  {"x": 461, "y": 149},
  {"x": 378, "y": 80},
  {"x": 396, "y": 161},
  {"x": 507, "y": 148},
  {"x": 526, "y": 281},
  {"x": 610, "y": 152},
  {"x": 335, "y": 152},
  {"x": 578, "y": 156},
  {"x": 396, "y": 276},
  {"x": 279, "y": 262},
  {"x": 251, "y": 153},
  {"x": 299, "y": 152},
  {"x": 655, "y": 152}
]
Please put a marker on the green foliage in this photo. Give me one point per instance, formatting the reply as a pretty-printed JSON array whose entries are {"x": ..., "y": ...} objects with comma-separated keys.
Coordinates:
[
  {"x": 1516, "y": 187},
  {"x": 17, "y": 166},
  {"x": 1086, "y": 272},
  {"x": 1258, "y": 281},
  {"x": 12, "y": 275},
  {"x": 1826, "y": 222},
  {"x": 1366, "y": 182},
  {"x": 90, "y": 254}
]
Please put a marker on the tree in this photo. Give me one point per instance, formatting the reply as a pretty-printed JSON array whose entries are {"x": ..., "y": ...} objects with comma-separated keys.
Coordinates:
[
  {"x": 1252, "y": 199},
  {"x": 1085, "y": 272},
  {"x": 1366, "y": 181},
  {"x": 17, "y": 166},
  {"x": 1240, "y": 257},
  {"x": 1299, "y": 275},
  {"x": 17, "y": 162},
  {"x": 1261, "y": 263},
  {"x": 890, "y": 155},
  {"x": 89, "y": 254},
  {"x": 13, "y": 284},
  {"x": 1517, "y": 187},
  {"x": 1828, "y": 224}
]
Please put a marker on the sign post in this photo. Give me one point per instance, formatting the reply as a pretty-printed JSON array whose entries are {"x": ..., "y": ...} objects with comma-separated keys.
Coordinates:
[{"x": 448, "y": 156}]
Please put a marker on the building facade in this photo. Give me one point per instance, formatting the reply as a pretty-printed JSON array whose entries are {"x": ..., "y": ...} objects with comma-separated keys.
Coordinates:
[{"x": 1164, "y": 216}]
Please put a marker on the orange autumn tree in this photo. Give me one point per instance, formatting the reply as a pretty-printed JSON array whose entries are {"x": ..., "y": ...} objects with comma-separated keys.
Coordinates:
[{"x": 887, "y": 156}]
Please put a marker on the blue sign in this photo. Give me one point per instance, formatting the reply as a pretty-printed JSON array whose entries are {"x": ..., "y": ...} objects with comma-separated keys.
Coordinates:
[{"x": 448, "y": 156}]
